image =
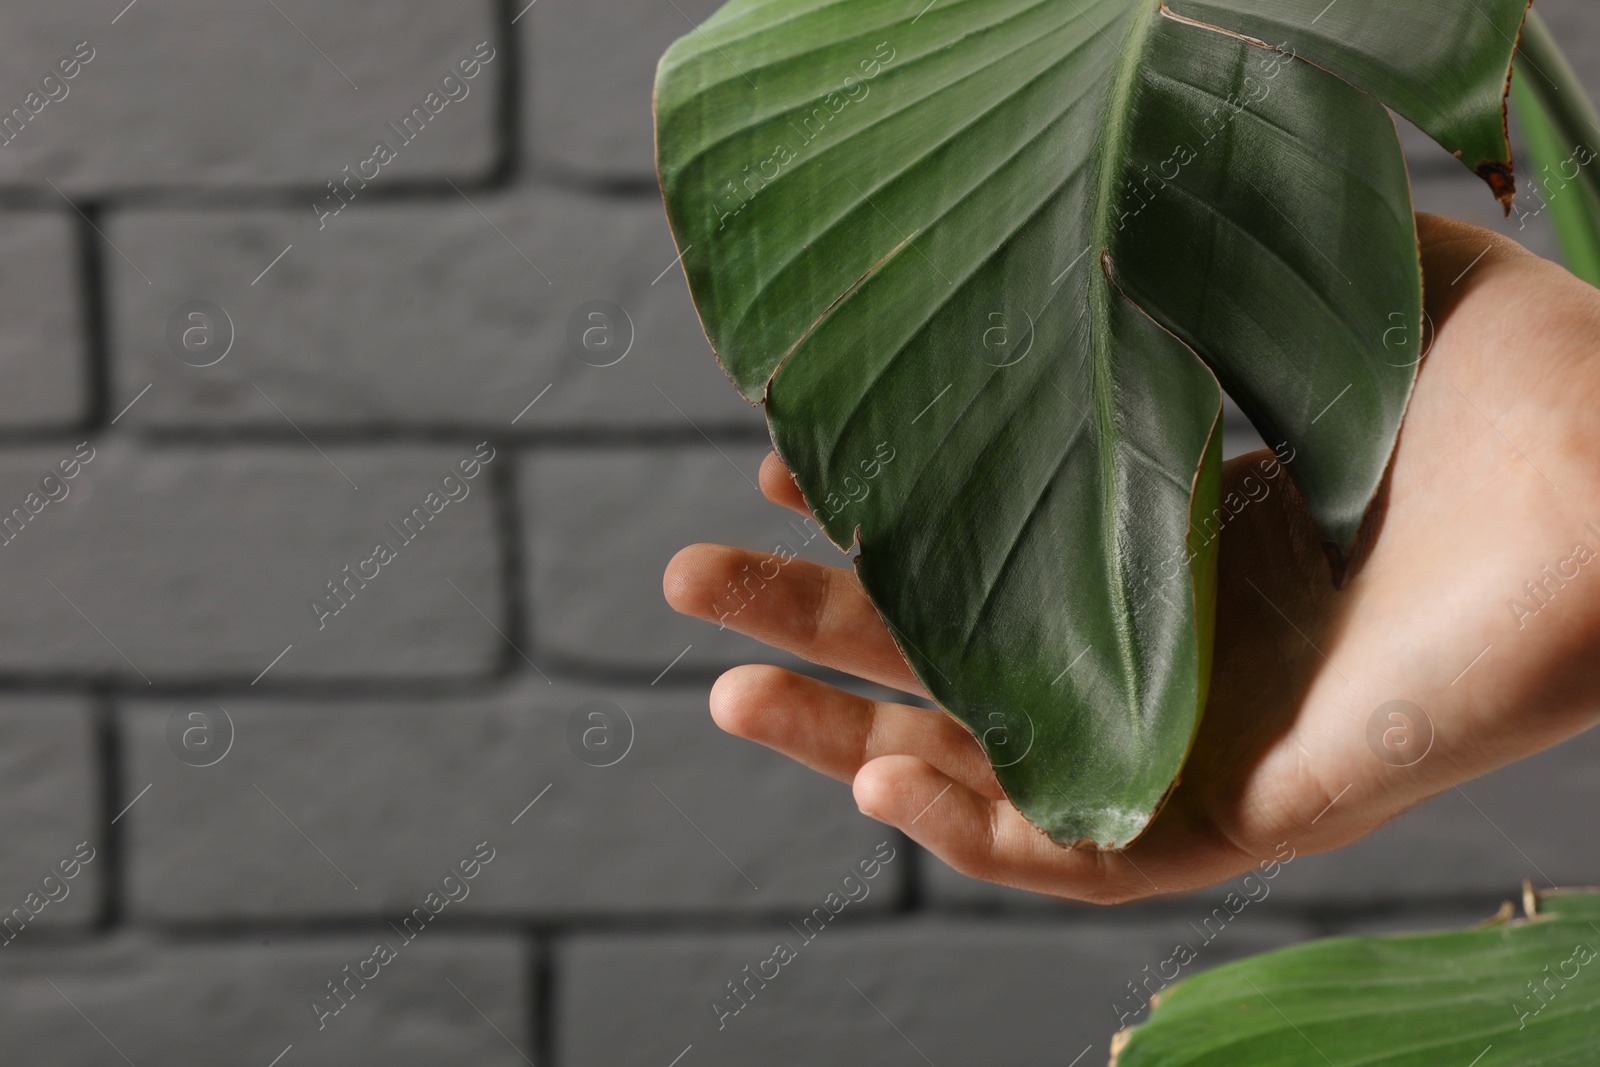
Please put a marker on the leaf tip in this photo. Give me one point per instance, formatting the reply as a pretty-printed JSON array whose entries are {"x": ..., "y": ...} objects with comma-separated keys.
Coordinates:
[{"x": 1501, "y": 181}]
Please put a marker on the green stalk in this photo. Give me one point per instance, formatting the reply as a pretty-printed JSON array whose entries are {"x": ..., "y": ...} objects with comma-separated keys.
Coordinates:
[{"x": 1562, "y": 129}]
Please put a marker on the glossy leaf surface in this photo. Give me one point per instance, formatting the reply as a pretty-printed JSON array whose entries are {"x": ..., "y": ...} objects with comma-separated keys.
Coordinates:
[
  {"x": 1507, "y": 994},
  {"x": 1015, "y": 245}
]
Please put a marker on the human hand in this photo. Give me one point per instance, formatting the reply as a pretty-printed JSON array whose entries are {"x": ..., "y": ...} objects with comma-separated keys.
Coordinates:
[{"x": 1496, "y": 476}]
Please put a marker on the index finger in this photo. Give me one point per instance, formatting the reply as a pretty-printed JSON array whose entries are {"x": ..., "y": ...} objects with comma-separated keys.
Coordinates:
[
  {"x": 778, "y": 485},
  {"x": 818, "y": 613}
]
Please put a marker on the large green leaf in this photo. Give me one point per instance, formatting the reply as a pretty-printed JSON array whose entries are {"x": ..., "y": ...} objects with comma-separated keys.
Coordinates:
[
  {"x": 1016, "y": 245},
  {"x": 1506, "y": 994}
]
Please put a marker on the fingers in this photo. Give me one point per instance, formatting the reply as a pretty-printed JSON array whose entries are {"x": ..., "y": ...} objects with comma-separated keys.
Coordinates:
[
  {"x": 777, "y": 485},
  {"x": 919, "y": 771},
  {"x": 818, "y": 613},
  {"x": 914, "y": 769},
  {"x": 976, "y": 835},
  {"x": 835, "y": 732},
  {"x": 987, "y": 838}
]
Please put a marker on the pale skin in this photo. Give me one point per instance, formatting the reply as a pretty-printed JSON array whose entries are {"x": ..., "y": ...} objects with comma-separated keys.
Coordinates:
[{"x": 1495, "y": 476}]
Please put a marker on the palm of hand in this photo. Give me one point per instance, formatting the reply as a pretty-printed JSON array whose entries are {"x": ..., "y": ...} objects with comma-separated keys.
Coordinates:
[{"x": 1495, "y": 477}]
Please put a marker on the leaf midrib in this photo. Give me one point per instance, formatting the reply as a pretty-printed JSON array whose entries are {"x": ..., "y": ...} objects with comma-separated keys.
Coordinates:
[{"x": 1116, "y": 133}]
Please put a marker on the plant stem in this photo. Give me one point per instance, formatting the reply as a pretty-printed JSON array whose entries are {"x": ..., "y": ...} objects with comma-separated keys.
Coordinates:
[
  {"x": 1574, "y": 211},
  {"x": 1547, "y": 74},
  {"x": 1554, "y": 80},
  {"x": 1561, "y": 126}
]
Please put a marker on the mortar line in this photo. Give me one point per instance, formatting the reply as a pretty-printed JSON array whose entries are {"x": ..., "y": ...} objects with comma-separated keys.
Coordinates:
[
  {"x": 93, "y": 319},
  {"x": 108, "y": 773},
  {"x": 542, "y": 1008},
  {"x": 510, "y": 163},
  {"x": 291, "y": 195},
  {"x": 913, "y": 878},
  {"x": 503, "y": 480}
]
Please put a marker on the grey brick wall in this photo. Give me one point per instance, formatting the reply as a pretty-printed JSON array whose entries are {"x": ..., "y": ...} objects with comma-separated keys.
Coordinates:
[{"x": 220, "y": 797}]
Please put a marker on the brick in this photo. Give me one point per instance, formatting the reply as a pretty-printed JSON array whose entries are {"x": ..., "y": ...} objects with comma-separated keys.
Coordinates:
[
  {"x": 50, "y": 806},
  {"x": 435, "y": 318},
  {"x": 155, "y": 1001},
  {"x": 1526, "y": 819},
  {"x": 42, "y": 355},
  {"x": 956, "y": 991},
  {"x": 601, "y": 525},
  {"x": 255, "y": 106},
  {"x": 200, "y": 563},
  {"x": 396, "y": 792},
  {"x": 588, "y": 95}
]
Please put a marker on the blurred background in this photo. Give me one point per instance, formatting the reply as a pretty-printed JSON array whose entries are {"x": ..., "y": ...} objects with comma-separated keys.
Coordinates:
[{"x": 262, "y": 747}]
